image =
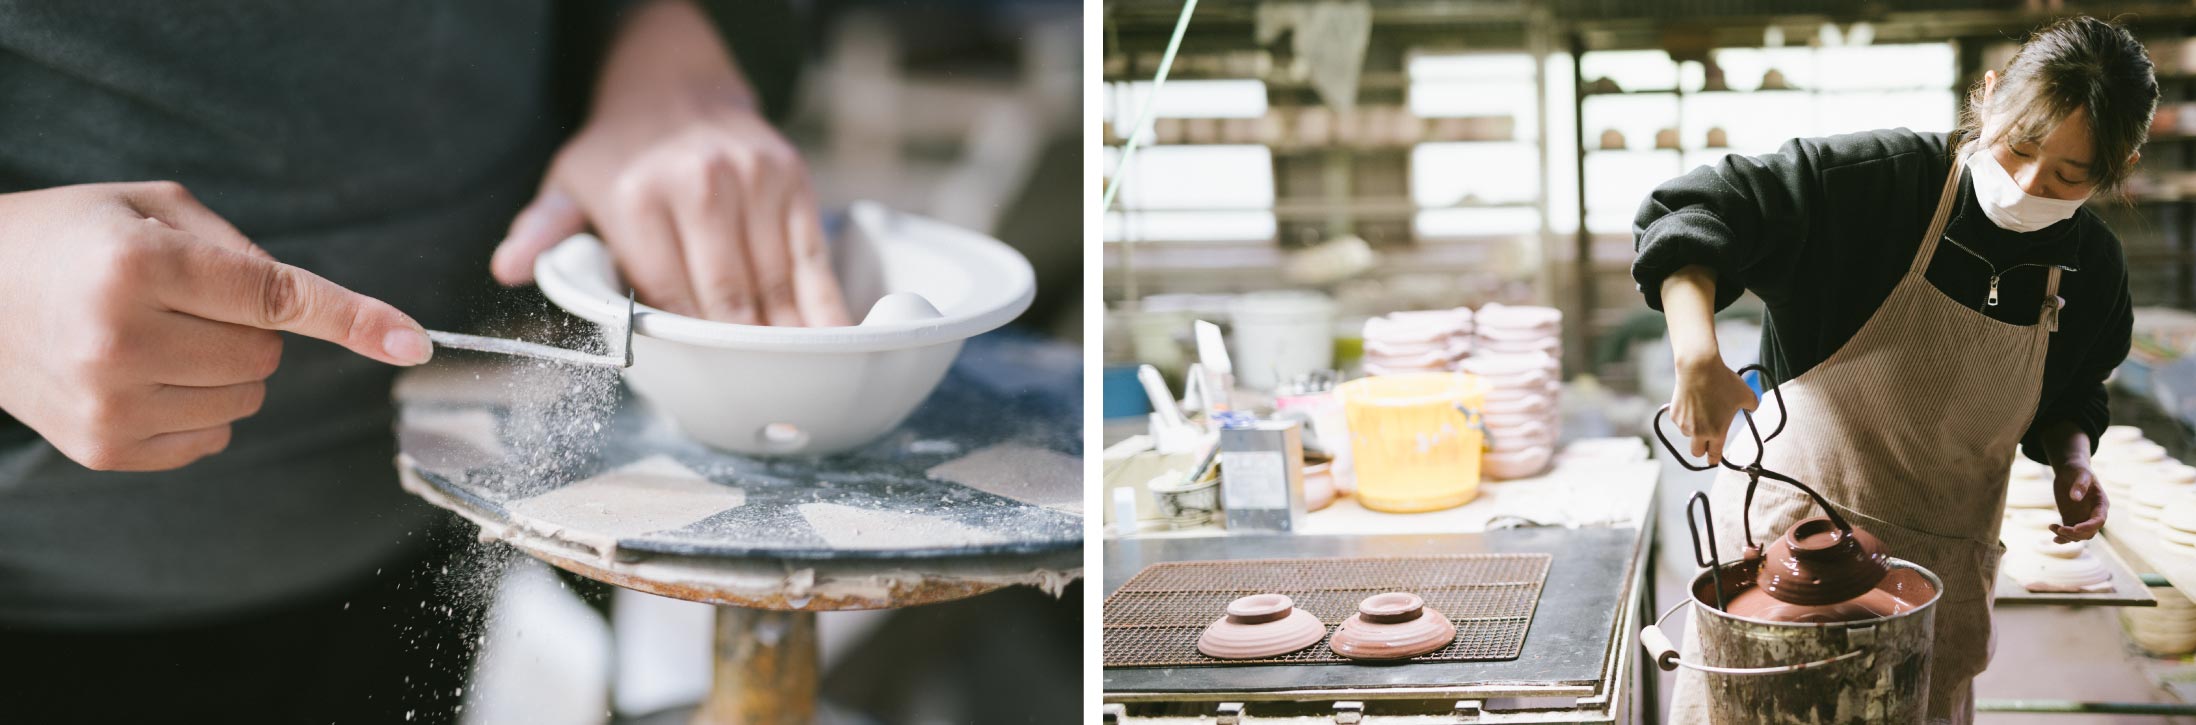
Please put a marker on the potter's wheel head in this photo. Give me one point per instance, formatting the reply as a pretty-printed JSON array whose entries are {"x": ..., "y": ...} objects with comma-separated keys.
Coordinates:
[{"x": 1817, "y": 564}]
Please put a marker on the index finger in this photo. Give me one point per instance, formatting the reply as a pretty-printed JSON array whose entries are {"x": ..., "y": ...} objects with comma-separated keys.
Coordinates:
[{"x": 219, "y": 284}]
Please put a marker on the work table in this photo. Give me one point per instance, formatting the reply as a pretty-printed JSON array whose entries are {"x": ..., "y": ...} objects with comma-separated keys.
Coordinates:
[{"x": 1592, "y": 512}]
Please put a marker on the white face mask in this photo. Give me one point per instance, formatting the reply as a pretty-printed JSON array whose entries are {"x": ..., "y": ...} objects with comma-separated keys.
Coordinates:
[{"x": 2007, "y": 205}]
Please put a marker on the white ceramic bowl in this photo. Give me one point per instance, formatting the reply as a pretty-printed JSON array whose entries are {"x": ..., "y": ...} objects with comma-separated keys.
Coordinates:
[{"x": 920, "y": 286}]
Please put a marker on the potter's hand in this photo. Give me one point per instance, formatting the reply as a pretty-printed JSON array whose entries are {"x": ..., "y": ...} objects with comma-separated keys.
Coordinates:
[
  {"x": 140, "y": 324},
  {"x": 706, "y": 208},
  {"x": 1707, "y": 396},
  {"x": 2081, "y": 503}
]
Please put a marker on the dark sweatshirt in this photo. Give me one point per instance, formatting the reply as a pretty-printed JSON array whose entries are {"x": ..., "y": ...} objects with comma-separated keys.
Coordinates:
[
  {"x": 384, "y": 146},
  {"x": 1823, "y": 229}
]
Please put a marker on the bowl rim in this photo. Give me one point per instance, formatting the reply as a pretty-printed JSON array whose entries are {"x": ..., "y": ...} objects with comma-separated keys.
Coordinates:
[{"x": 578, "y": 275}]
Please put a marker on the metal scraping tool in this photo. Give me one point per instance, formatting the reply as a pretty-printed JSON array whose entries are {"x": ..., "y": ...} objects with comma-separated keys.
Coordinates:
[{"x": 620, "y": 355}]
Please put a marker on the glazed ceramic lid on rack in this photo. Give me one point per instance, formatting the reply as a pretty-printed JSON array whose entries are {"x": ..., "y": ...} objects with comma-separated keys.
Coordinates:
[
  {"x": 1260, "y": 626},
  {"x": 1392, "y": 626}
]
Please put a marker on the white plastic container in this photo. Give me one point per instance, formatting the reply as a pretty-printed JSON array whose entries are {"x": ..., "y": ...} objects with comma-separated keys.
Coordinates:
[
  {"x": 1279, "y": 335},
  {"x": 922, "y": 287}
]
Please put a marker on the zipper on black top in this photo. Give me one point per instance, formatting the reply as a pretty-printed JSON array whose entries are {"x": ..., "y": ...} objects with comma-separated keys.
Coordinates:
[{"x": 1995, "y": 273}]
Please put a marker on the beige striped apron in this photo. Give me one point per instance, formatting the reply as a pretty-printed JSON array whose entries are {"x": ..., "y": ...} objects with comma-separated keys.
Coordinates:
[{"x": 1910, "y": 429}]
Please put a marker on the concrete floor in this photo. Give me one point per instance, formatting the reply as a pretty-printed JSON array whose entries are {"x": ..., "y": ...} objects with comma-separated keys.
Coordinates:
[{"x": 2043, "y": 652}]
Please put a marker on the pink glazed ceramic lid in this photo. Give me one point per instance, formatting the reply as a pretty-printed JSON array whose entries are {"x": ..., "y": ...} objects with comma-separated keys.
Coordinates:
[
  {"x": 1392, "y": 626},
  {"x": 1260, "y": 626}
]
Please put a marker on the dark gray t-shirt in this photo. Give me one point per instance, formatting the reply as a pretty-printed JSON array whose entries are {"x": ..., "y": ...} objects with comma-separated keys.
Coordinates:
[{"x": 384, "y": 146}]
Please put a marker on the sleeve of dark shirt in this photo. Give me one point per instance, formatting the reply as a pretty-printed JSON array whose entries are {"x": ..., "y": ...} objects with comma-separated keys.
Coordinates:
[
  {"x": 2083, "y": 400},
  {"x": 1745, "y": 217}
]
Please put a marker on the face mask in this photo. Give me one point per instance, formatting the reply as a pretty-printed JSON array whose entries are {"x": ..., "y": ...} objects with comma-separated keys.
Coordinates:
[{"x": 2007, "y": 205}]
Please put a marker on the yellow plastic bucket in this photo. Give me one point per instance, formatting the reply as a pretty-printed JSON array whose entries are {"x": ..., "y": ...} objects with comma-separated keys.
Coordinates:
[{"x": 1415, "y": 439}]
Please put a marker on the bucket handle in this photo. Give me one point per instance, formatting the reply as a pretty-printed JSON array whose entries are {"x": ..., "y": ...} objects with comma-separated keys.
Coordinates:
[
  {"x": 1474, "y": 421},
  {"x": 1666, "y": 656}
]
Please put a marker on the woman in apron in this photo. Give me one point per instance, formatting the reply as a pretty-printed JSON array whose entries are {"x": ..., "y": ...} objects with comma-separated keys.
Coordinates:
[{"x": 1937, "y": 304}]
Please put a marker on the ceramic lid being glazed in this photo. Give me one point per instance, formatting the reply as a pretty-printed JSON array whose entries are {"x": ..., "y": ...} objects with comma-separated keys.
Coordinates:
[
  {"x": 1816, "y": 564},
  {"x": 1392, "y": 626},
  {"x": 1260, "y": 626}
]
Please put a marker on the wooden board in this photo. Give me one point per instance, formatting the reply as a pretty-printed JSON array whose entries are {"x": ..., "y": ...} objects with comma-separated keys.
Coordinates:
[{"x": 2127, "y": 586}]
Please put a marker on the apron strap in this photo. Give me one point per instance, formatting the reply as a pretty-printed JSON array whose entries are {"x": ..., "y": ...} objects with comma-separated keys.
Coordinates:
[
  {"x": 2052, "y": 302},
  {"x": 1928, "y": 246}
]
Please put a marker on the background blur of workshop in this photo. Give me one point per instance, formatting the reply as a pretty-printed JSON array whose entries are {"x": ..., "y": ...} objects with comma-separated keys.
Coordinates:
[{"x": 1333, "y": 197}]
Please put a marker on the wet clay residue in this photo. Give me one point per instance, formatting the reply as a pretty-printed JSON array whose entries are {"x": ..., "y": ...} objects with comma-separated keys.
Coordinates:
[{"x": 1899, "y": 591}]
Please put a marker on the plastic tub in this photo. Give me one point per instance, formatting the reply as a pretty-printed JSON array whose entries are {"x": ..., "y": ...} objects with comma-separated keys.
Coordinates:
[{"x": 1415, "y": 439}]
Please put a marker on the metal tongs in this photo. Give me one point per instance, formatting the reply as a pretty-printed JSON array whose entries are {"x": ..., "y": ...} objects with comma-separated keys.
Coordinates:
[
  {"x": 620, "y": 355},
  {"x": 1754, "y": 473}
]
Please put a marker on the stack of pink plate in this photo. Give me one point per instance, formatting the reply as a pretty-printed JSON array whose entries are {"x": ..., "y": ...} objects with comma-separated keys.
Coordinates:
[
  {"x": 1518, "y": 351},
  {"x": 1520, "y": 411},
  {"x": 1417, "y": 341}
]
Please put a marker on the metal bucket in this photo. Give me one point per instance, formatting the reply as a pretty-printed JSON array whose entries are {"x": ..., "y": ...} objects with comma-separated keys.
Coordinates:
[{"x": 1758, "y": 671}]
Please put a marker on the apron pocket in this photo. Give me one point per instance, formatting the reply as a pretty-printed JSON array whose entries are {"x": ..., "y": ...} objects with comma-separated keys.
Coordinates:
[{"x": 1968, "y": 567}]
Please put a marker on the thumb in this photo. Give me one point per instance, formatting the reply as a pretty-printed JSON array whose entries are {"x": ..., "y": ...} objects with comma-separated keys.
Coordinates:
[{"x": 552, "y": 217}]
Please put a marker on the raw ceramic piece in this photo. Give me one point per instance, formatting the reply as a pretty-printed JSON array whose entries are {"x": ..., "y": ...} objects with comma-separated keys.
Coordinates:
[
  {"x": 1534, "y": 381},
  {"x": 1392, "y": 626},
  {"x": 1507, "y": 365},
  {"x": 2120, "y": 434},
  {"x": 1457, "y": 318},
  {"x": 1393, "y": 330},
  {"x": 2136, "y": 451},
  {"x": 1529, "y": 403},
  {"x": 2180, "y": 513},
  {"x": 1516, "y": 442},
  {"x": 2177, "y": 472},
  {"x": 2176, "y": 536},
  {"x": 924, "y": 287},
  {"x": 1514, "y": 432},
  {"x": 1379, "y": 348},
  {"x": 1438, "y": 359},
  {"x": 1260, "y": 626},
  {"x": 1816, "y": 564},
  {"x": 1506, "y": 316},
  {"x": 1501, "y": 334},
  {"x": 1372, "y": 369},
  {"x": 1522, "y": 463},
  {"x": 2030, "y": 493},
  {"x": 2155, "y": 491},
  {"x": 1518, "y": 421},
  {"x": 2038, "y": 572},
  {"x": 2036, "y": 519}
]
